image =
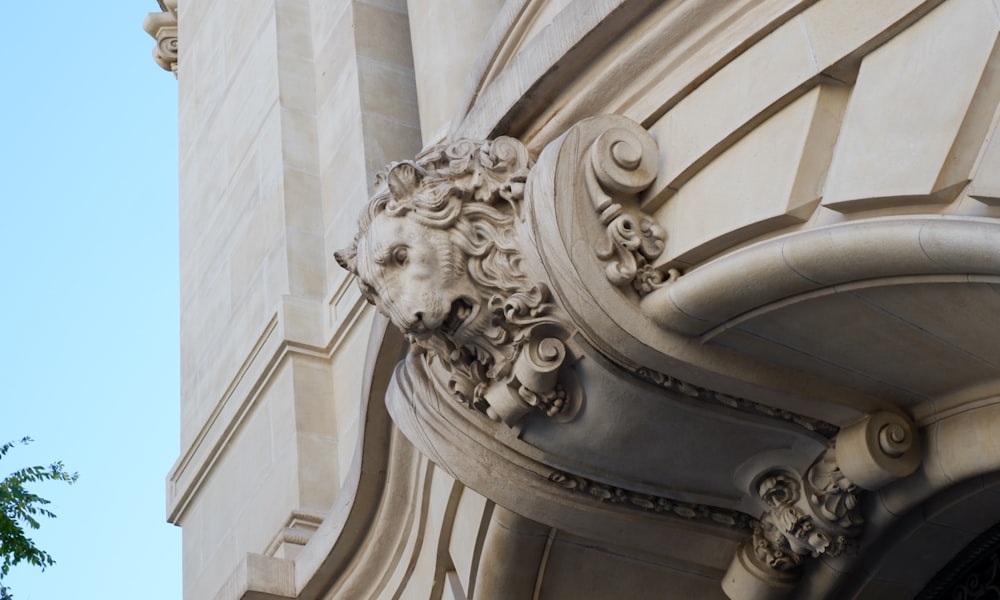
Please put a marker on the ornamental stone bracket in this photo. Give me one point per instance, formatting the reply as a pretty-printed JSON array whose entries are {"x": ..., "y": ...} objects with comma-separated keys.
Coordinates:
[
  {"x": 162, "y": 26},
  {"x": 818, "y": 514},
  {"x": 519, "y": 286},
  {"x": 620, "y": 163}
]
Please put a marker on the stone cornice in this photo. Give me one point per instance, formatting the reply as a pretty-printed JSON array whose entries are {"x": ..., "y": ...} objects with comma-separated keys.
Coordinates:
[{"x": 162, "y": 26}]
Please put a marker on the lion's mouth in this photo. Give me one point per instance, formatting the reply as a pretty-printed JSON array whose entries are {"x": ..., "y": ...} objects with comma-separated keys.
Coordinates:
[{"x": 460, "y": 311}]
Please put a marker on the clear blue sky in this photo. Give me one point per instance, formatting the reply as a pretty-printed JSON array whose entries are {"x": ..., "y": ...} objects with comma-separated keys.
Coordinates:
[{"x": 89, "y": 355}]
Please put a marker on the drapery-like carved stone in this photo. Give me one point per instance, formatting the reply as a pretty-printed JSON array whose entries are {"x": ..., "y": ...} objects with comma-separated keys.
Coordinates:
[
  {"x": 162, "y": 26},
  {"x": 439, "y": 252}
]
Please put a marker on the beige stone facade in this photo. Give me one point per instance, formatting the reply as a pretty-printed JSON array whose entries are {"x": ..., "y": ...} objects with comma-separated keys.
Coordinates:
[{"x": 706, "y": 305}]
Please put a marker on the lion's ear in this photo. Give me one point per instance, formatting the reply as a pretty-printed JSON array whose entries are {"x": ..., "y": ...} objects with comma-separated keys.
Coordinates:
[
  {"x": 404, "y": 178},
  {"x": 348, "y": 257}
]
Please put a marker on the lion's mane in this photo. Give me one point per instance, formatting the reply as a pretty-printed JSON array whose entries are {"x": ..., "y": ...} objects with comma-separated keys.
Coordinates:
[{"x": 472, "y": 188}]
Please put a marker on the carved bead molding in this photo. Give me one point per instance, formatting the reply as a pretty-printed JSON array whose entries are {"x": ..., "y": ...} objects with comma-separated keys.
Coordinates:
[
  {"x": 649, "y": 503},
  {"x": 439, "y": 251},
  {"x": 673, "y": 384},
  {"x": 162, "y": 26},
  {"x": 817, "y": 514}
]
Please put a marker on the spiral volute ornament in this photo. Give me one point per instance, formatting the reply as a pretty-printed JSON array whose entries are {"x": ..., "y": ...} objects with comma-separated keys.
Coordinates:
[
  {"x": 624, "y": 160},
  {"x": 537, "y": 367},
  {"x": 880, "y": 448}
]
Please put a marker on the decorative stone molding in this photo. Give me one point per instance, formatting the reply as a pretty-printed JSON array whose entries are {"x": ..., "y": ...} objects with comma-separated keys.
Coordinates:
[
  {"x": 818, "y": 514},
  {"x": 493, "y": 287},
  {"x": 440, "y": 253},
  {"x": 296, "y": 533},
  {"x": 620, "y": 163},
  {"x": 162, "y": 26},
  {"x": 647, "y": 502},
  {"x": 799, "y": 265},
  {"x": 667, "y": 382}
]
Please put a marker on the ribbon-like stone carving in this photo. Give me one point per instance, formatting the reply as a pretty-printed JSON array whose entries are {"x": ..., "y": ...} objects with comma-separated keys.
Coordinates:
[{"x": 440, "y": 252}]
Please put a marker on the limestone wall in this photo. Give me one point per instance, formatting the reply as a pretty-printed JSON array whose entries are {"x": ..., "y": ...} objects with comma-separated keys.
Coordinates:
[
  {"x": 277, "y": 152},
  {"x": 772, "y": 118}
]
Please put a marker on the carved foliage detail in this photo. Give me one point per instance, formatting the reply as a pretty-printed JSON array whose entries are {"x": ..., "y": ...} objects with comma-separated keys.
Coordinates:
[
  {"x": 440, "y": 253},
  {"x": 832, "y": 495},
  {"x": 818, "y": 514},
  {"x": 800, "y": 523},
  {"x": 621, "y": 163}
]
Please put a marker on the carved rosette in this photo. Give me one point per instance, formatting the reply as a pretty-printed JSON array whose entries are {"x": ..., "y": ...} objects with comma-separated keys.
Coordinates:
[
  {"x": 817, "y": 514},
  {"x": 162, "y": 26},
  {"x": 438, "y": 252},
  {"x": 622, "y": 162}
]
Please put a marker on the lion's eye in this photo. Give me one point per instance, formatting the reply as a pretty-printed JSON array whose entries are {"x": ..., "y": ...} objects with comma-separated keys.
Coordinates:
[{"x": 399, "y": 255}]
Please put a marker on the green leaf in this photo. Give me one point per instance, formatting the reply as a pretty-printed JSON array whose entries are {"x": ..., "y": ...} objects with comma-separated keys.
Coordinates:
[{"x": 19, "y": 508}]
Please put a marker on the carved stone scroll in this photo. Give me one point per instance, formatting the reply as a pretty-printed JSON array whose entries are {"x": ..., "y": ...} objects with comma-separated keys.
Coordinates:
[
  {"x": 622, "y": 162},
  {"x": 162, "y": 26}
]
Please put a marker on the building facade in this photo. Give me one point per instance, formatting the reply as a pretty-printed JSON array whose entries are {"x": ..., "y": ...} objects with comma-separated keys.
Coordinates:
[{"x": 648, "y": 298}]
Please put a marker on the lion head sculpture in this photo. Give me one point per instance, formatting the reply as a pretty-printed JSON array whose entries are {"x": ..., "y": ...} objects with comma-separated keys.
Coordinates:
[{"x": 439, "y": 253}]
